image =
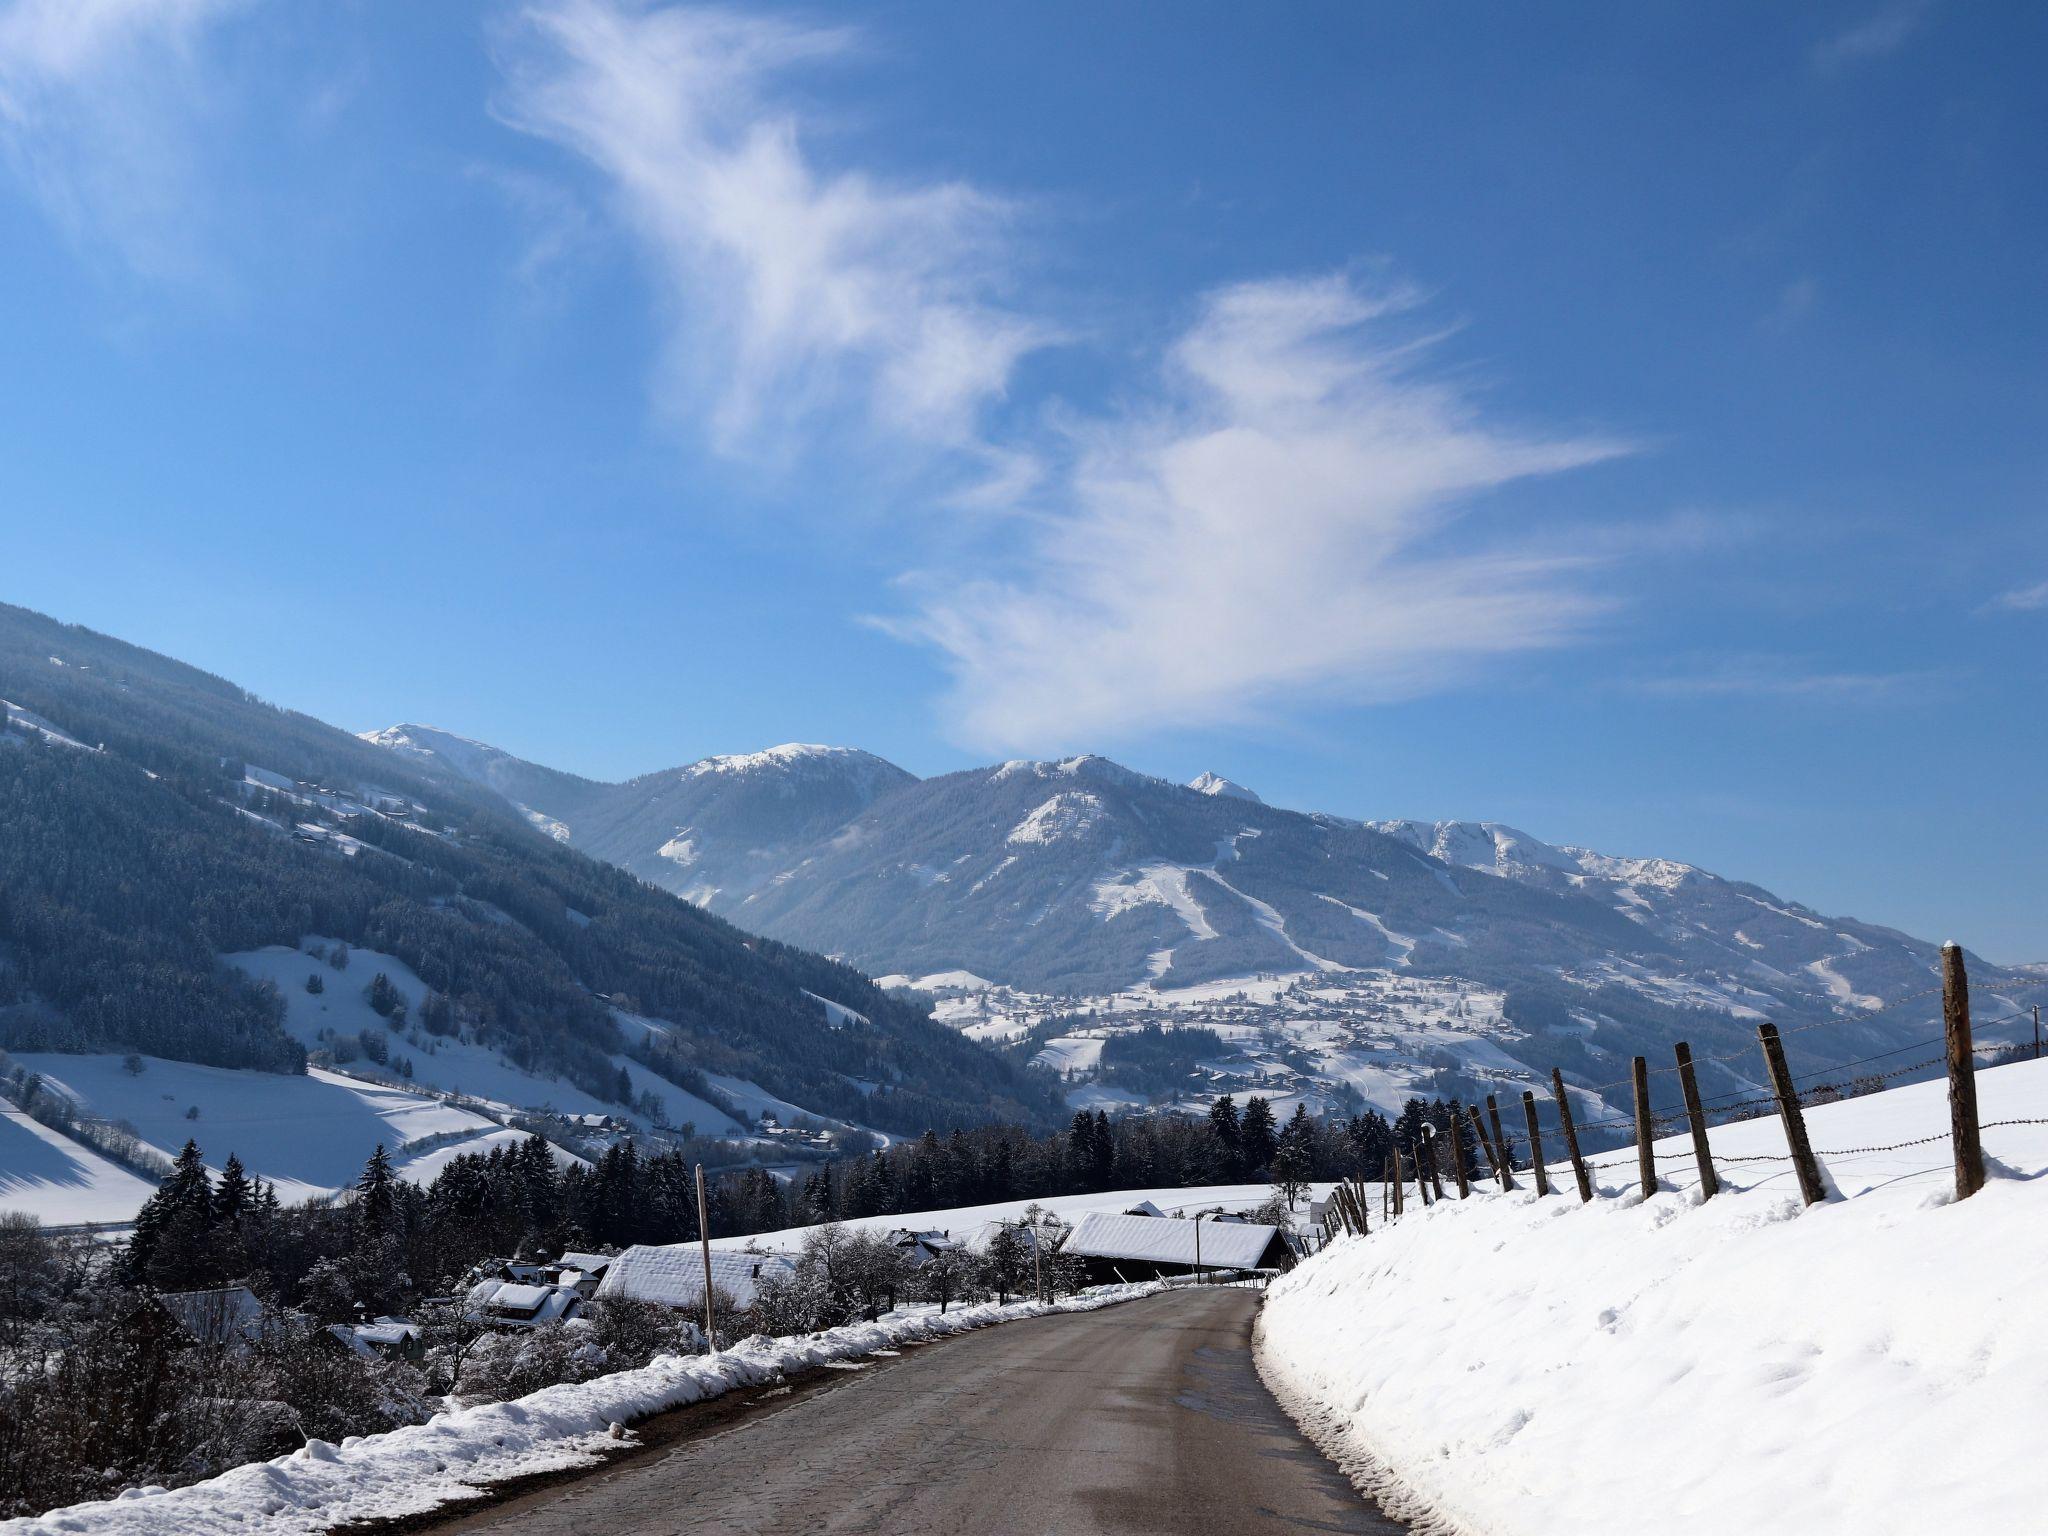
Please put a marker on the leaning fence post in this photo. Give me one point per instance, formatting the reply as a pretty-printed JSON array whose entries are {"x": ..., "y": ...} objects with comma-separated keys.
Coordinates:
[
  {"x": 1500, "y": 1144},
  {"x": 1458, "y": 1150},
  {"x": 1421, "y": 1175},
  {"x": 1535, "y": 1144},
  {"x": 1710, "y": 1186},
  {"x": 1479, "y": 1135},
  {"x": 1400, "y": 1182},
  {"x": 1962, "y": 1072},
  {"x": 1646, "y": 1157},
  {"x": 1811, "y": 1190},
  {"x": 1436, "y": 1159},
  {"x": 1571, "y": 1136}
]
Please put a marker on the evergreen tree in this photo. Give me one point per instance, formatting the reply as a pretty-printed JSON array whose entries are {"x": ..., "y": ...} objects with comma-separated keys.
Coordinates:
[
  {"x": 1257, "y": 1135},
  {"x": 1228, "y": 1137}
]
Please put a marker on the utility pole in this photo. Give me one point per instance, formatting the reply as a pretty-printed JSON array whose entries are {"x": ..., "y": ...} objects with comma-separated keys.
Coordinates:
[{"x": 704, "y": 1247}]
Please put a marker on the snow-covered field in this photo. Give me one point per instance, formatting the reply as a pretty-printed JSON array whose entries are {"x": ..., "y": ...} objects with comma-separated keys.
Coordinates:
[
  {"x": 964, "y": 1221},
  {"x": 59, "y": 1181},
  {"x": 310, "y": 1135},
  {"x": 456, "y": 1454},
  {"x": 1518, "y": 1366}
]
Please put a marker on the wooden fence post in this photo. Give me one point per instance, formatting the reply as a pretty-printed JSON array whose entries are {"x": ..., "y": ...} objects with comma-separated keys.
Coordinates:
[
  {"x": 1479, "y": 1135},
  {"x": 1400, "y": 1182},
  {"x": 1535, "y": 1144},
  {"x": 1689, "y": 1084},
  {"x": 1646, "y": 1158},
  {"x": 1571, "y": 1136},
  {"x": 1421, "y": 1175},
  {"x": 1500, "y": 1143},
  {"x": 1458, "y": 1150},
  {"x": 1436, "y": 1159},
  {"x": 1962, "y": 1072},
  {"x": 1811, "y": 1190}
]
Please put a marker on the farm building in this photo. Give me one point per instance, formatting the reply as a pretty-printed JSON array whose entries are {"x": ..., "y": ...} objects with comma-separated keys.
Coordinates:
[
  {"x": 510, "y": 1304},
  {"x": 1131, "y": 1248},
  {"x": 673, "y": 1274}
]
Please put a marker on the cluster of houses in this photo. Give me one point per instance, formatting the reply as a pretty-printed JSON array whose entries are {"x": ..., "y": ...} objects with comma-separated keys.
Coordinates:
[{"x": 1140, "y": 1243}]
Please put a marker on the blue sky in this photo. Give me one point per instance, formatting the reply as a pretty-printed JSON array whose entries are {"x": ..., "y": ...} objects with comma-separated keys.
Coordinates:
[{"x": 1626, "y": 422}]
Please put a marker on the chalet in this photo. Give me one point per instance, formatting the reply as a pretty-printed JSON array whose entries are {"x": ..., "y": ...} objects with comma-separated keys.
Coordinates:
[
  {"x": 511, "y": 1304},
  {"x": 1129, "y": 1248},
  {"x": 672, "y": 1274},
  {"x": 581, "y": 1272},
  {"x": 921, "y": 1248},
  {"x": 388, "y": 1338}
]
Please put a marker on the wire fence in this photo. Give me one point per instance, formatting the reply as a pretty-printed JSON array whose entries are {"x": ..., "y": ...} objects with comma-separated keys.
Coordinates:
[{"x": 1503, "y": 1155}]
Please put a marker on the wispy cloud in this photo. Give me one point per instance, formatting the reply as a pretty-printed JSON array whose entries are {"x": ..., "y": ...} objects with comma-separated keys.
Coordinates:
[
  {"x": 2022, "y": 599},
  {"x": 796, "y": 295},
  {"x": 1780, "y": 677},
  {"x": 1884, "y": 31},
  {"x": 98, "y": 105},
  {"x": 1276, "y": 524}
]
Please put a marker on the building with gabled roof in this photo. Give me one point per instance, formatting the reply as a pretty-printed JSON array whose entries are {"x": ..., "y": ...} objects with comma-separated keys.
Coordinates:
[
  {"x": 672, "y": 1274},
  {"x": 1117, "y": 1247}
]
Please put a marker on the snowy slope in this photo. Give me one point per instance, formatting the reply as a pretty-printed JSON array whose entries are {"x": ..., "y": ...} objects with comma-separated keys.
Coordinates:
[
  {"x": 448, "y": 1064},
  {"x": 1521, "y": 1366},
  {"x": 309, "y": 1134},
  {"x": 59, "y": 1181},
  {"x": 967, "y": 1221}
]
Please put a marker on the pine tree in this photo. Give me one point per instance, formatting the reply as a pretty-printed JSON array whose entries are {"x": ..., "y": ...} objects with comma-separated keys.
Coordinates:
[
  {"x": 1257, "y": 1136},
  {"x": 1228, "y": 1136},
  {"x": 235, "y": 1195},
  {"x": 376, "y": 1200}
]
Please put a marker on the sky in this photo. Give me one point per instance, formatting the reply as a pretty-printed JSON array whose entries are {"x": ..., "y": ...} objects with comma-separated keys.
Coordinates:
[{"x": 1628, "y": 421}]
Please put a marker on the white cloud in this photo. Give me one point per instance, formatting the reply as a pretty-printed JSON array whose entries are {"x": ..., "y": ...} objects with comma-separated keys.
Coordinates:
[
  {"x": 1883, "y": 32},
  {"x": 1279, "y": 523},
  {"x": 797, "y": 295},
  {"x": 1781, "y": 677},
  {"x": 98, "y": 102},
  {"x": 2023, "y": 599}
]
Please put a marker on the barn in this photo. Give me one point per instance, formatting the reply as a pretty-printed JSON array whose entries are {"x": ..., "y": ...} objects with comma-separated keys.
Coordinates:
[{"x": 1129, "y": 1248}]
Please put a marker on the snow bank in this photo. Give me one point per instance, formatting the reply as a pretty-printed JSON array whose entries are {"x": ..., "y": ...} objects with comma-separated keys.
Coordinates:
[
  {"x": 1515, "y": 1366},
  {"x": 457, "y": 1454}
]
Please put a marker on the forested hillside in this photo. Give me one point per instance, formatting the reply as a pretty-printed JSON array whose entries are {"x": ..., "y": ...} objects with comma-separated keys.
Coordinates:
[{"x": 154, "y": 817}]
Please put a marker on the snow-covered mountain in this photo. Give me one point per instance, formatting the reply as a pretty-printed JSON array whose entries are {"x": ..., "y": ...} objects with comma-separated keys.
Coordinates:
[{"x": 1373, "y": 954}]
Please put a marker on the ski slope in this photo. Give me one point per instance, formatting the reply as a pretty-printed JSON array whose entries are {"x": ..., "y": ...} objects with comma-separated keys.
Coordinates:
[{"x": 1521, "y": 1366}]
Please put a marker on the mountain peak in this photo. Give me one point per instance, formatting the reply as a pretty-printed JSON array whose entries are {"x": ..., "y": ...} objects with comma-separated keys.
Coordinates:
[
  {"x": 1216, "y": 784},
  {"x": 790, "y": 754}
]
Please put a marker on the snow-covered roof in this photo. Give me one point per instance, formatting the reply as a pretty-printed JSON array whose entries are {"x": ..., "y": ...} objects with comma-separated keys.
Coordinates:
[
  {"x": 589, "y": 1263},
  {"x": 673, "y": 1274},
  {"x": 1170, "y": 1240},
  {"x": 1145, "y": 1208},
  {"x": 532, "y": 1305}
]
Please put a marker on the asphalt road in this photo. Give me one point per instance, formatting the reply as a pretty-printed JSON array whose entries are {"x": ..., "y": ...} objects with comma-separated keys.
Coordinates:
[{"x": 1143, "y": 1417}]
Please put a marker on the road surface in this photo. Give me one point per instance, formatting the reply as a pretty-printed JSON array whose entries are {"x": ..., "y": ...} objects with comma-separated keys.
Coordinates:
[{"x": 1142, "y": 1417}]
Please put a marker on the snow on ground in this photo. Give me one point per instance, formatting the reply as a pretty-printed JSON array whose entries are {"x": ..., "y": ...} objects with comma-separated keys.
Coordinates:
[
  {"x": 1071, "y": 1053},
  {"x": 450, "y": 1065},
  {"x": 60, "y": 1182},
  {"x": 310, "y": 1135},
  {"x": 967, "y": 1220},
  {"x": 1519, "y": 1366},
  {"x": 455, "y": 1455}
]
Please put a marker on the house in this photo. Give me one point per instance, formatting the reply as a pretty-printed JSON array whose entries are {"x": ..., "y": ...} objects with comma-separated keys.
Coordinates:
[
  {"x": 1144, "y": 1208},
  {"x": 1128, "y": 1248},
  {"x": 388, "y": 1338},
  {"x": 921, "y": 1248},
  {"x": 231, "y": 1315},
  {"x": 672, "y": 1274},
  {"x": 581, "y": 1272},
  {"x": 512, "y": 1304}
]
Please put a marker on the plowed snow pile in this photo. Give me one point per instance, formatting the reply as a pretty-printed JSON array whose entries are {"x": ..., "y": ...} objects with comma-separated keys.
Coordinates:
[{"x": 1512, "y": 1366}]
